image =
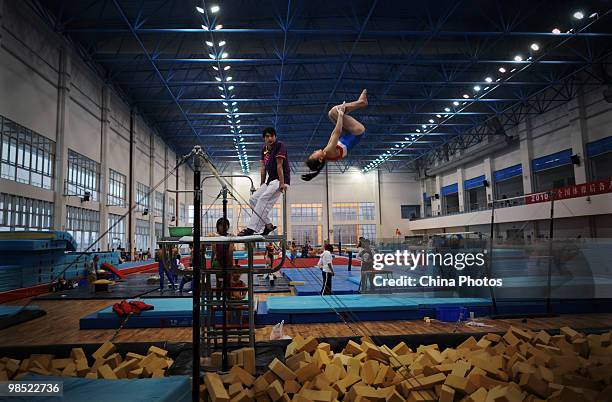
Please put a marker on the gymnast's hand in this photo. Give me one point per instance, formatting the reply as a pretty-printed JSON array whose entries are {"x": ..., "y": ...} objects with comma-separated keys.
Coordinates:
[
  {"x": 282, "y": 187},
  {"x": 341, "y": 109}
]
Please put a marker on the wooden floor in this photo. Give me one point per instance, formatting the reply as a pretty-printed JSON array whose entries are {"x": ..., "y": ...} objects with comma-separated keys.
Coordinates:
[{"x": 61, "y": 325}]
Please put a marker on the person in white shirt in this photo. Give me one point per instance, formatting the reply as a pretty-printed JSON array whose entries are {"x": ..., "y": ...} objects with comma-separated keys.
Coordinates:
[{"x": 327, "y": 269}]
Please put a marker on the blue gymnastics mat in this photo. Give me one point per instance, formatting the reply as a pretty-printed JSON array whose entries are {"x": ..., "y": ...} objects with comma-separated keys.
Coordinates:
[
  {"x": 170, "y": 389},
  {"x": 168, "y": 312},
  {"x": 309, "y": 309},
  {"x": 343, "y": 282}
]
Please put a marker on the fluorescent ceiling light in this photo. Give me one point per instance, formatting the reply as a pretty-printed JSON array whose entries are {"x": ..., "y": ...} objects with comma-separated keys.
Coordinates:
[
  {"x": 214, "y": 9},
  {"x": 200, "y": 10}
]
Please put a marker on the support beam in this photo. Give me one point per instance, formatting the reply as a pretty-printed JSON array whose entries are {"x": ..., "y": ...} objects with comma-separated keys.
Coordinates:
[
  {"x": 103, "y": 182},
  {"x": 61, "y": 149},
  {"x": 579, "y": 135},
  {"x": 526, "y": 149}
]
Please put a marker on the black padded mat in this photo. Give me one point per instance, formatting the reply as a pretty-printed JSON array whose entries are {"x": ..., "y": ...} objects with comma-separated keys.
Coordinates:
[
  {"x": 22, "y": 316},
  {"x": 132, "y": 286}
]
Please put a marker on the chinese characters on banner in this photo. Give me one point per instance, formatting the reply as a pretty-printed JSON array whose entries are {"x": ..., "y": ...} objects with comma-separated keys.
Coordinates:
[{"x": 577, "y": 190}]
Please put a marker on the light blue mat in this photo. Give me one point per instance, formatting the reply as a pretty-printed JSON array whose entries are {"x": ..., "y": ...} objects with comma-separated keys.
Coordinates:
[
  {"x": 358, "y": 302},
  {"x": 9, "y": 310},
  {"x": 170, "y": 389}
]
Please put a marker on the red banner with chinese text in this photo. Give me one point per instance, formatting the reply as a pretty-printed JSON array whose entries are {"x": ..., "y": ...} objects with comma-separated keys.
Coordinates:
[{"x": 577, "y": 190}]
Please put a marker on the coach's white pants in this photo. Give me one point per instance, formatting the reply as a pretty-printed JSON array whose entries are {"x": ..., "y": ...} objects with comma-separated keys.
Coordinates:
[{"x": 262, "y": 202}]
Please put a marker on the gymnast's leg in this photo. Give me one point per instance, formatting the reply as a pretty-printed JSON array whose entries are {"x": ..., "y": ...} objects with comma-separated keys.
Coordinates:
[{"x": 349, "y": 123}]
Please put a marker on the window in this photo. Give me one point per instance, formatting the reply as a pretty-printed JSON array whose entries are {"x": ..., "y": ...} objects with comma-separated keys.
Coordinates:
[
  {"x": 306, "y": 212},
  {"x": 116, "y": 188},
  {"x": 116, "y": 231},
  {"x": 159, "y": 231},
  {"x": 349, "y": 234},
  {"x": 210, "y": 217},
  {"x": 26, "y": 157},
  {"x": 20, "y": 213},
  {"x": 353, "y": 211},
  {"x": 411, "y": 211},
  {"x": 171, "y": 211},
  {"x": 159, "y": 203},
  {"x": 143, "y": 235},
  {"x": 300, "y": 234},
  {"x": 83, "y": 175},
  {"x": 367, "y": 231},
  {"x": 84, "y": 226},
  {"x": 142, "y": 197},
  {"x": 183, "y": 214},
  {"x": 190, "y": 214}
]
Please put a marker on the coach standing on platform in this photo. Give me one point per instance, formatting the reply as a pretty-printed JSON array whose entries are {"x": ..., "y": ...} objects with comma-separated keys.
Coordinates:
[{"x": 274, "y": 166}]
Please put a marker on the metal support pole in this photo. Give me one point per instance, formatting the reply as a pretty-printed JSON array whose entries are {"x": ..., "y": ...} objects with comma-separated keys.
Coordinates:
[
  {"x": 196, "y": 285},
  {"x": 350, "y": 255},
  {"x": 224, "y": 292},
  {"x": 490, "y": 264},
  {"x": 550, "y": 251}
]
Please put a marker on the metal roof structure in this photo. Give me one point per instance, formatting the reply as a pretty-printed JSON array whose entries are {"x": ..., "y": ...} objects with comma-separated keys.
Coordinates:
[{"x": 441, "y": 74}]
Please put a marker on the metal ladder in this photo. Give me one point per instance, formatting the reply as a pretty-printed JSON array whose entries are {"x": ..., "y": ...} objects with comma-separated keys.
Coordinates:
[{"x": 218, "y": 311}]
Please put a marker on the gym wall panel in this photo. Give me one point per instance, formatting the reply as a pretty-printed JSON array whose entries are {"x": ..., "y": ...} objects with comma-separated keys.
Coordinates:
[
  {"x": 473, "y": 171},
  {"x": 33, "y": 100},
  {"x": 83, "y": 130},
  {"x": 449, "y": 178},
  {"x": 506, "y": 159},
  {"x": 351, "y": 186},
  {"x": 599, "y": 125},
  {"x": 397, "y": 189},
  {"x": 118, "y": 154},
  {"x": 554, "y": 142}
]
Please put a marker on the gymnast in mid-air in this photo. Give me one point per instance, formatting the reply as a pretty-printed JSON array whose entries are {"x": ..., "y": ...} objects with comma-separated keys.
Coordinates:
[{"x": 346, "y": 135}]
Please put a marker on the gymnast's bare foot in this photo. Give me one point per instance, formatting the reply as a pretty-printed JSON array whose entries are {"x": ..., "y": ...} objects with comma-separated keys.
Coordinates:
[{"x": 363, "y": 98}]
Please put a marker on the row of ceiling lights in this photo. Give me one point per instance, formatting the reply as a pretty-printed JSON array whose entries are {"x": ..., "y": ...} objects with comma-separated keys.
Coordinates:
[
  {"x": 458, "y": 106},
  {"x": 221, "y": 74}
]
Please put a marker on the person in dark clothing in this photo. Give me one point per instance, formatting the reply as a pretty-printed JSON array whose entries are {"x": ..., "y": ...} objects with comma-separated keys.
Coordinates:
[{"x": 274, "y": 166}]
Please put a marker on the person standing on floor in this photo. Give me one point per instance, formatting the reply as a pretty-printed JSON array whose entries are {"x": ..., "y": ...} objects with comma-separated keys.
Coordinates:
[
  {"x": 164, "y": 269},
  {"x": 274, "y": 167},
  {"x": 327, "y": 270}
]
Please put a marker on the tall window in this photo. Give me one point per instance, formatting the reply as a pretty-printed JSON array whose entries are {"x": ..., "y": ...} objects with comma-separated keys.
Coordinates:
[
  {"x": 20, "y": 213},
  {"x": 116, "y": 234},
  {"x": 300, "y": 234},
  {"x": 116, "y": 188},
  {"x": 84, "y": 226},
  {"x": 143, "y": 235},
  {"x": 349, "y": 234},
  {"x": 306, "y": 212},
  {"x": 83, "y": 175},
  {"x": 210, "y": 217},
  {"x": 170, "y": 212},
  {"x": 159, "y": 231},
  {"x": 26, "y": 157},
  {"x": 353, "y": 211},
  {"x": 142, "y": 197},
  {"x": 190, "y": 214},
  {"x": 159, "y": 203},
  {"x": 183, "y": 214}
]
